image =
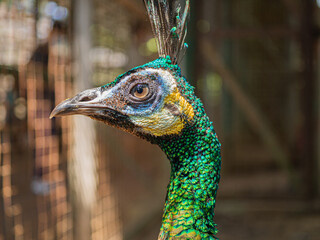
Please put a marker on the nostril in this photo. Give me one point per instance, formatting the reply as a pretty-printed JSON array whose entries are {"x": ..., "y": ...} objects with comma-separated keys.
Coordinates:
[{"x": 87, "y": 98}]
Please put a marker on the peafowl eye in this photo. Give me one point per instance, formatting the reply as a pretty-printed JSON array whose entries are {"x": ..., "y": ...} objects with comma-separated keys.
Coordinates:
[{"x": 155, "y": 102}]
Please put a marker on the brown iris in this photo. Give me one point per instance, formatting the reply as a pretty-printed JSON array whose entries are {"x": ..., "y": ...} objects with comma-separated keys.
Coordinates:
[{"x": 140, "y": 91}]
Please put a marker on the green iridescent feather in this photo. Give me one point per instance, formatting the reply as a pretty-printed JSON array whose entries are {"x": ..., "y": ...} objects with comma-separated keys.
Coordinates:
[{"x": 196, "y": 162}]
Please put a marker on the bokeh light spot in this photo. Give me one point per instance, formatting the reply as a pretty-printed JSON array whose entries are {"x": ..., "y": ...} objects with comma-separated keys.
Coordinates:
[
  {"x": 50, "y": 8},
  {"x": 152, "y": 45}
]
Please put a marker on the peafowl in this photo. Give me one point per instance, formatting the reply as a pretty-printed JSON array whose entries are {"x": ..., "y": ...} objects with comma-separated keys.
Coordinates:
[{"x": 156, "y": 103}]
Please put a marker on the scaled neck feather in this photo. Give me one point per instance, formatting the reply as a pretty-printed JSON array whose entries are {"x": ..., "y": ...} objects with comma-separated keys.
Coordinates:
[{"x": 195, "y": 174}]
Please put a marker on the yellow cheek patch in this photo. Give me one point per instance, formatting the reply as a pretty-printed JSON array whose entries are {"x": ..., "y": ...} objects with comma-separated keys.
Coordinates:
[
  {"x": 159, "y": 124},
  {"x": 164, "y": 122}
]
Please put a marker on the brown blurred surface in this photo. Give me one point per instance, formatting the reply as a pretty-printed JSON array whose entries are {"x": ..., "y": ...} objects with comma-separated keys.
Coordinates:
[{"x": 255, "y": 65}]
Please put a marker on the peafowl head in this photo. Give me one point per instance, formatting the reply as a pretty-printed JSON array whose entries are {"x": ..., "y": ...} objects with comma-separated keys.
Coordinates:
[{"x": 150, "y": 101}]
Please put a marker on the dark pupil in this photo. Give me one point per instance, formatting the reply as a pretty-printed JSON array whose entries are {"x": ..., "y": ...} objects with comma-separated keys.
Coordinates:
[{"x": 140, "y": 89}]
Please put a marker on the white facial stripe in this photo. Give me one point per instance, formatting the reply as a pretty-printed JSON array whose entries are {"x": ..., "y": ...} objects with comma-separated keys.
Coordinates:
[{"x": 165, "y": 75}]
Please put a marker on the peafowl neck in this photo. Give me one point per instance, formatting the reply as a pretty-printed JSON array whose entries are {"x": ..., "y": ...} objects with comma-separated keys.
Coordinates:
[{"x": 195, "y": 174}]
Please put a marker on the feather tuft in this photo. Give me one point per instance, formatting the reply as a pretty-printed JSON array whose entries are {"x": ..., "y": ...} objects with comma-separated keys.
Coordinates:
[{"x": 169, "y": 25}]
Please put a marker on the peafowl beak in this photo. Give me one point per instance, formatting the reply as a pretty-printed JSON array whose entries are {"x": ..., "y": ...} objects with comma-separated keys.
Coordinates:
[{"x": 92, "y": 103}]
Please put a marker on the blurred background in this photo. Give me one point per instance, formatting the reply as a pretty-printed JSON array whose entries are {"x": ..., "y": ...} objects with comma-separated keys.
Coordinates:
[{"x": 255, "y": 65}]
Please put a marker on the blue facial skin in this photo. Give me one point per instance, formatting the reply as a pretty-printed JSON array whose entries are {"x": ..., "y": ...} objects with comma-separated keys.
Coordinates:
[{"x": 156, "y": 95}]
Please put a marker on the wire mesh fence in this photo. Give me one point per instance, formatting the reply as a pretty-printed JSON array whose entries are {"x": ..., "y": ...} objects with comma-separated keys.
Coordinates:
[{"x": 35, "y": 75}]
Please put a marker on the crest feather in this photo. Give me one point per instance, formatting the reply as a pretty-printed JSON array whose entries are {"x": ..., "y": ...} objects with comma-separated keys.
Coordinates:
[{"x": 169, "y": 25}]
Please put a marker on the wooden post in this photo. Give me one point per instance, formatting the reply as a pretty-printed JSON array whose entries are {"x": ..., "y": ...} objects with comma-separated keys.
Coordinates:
[{"x": 83, "y": 167}]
